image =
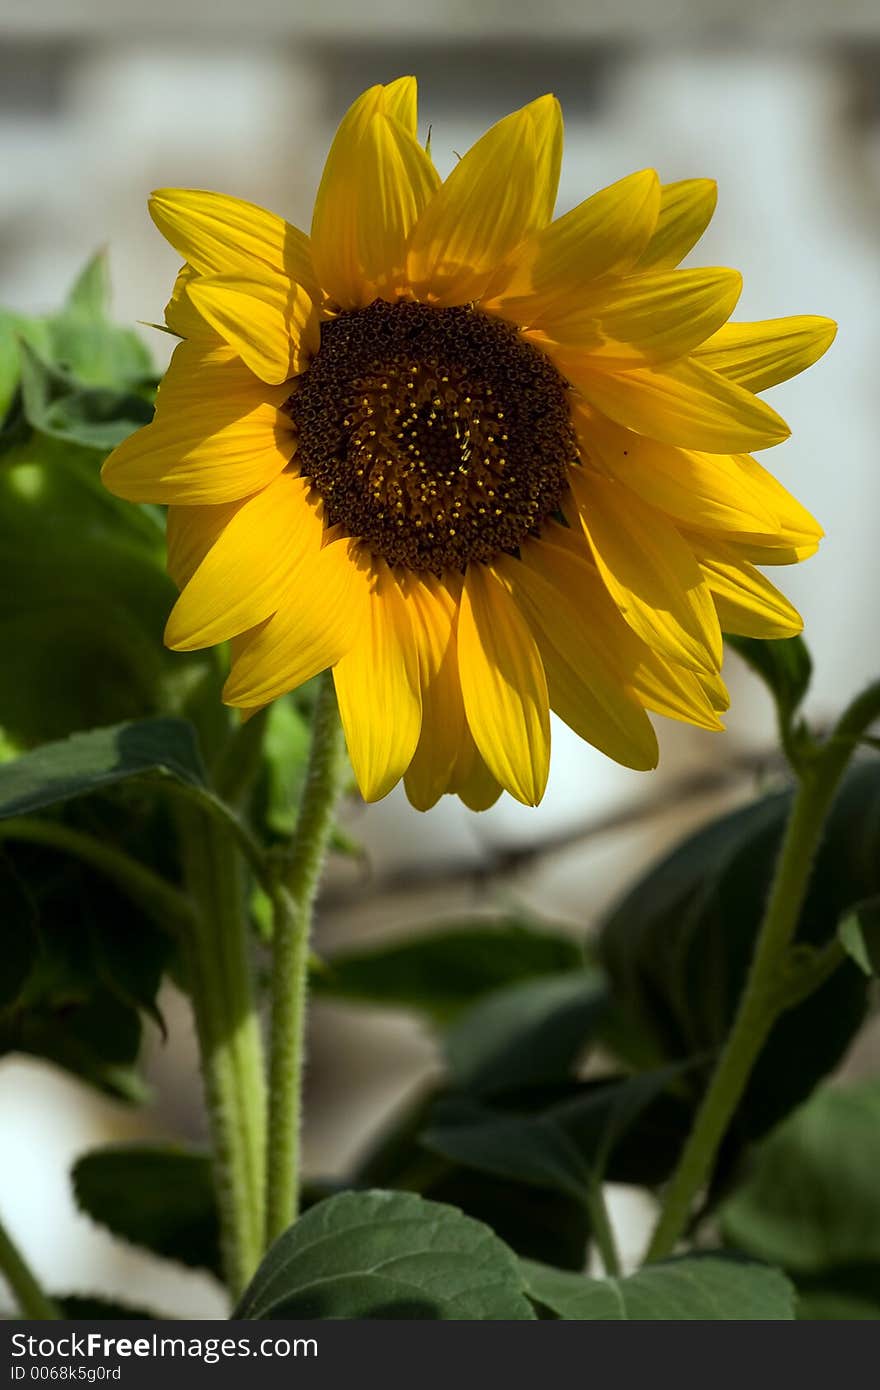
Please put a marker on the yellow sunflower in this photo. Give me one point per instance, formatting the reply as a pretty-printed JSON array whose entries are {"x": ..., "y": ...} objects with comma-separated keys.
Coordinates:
[{"x": 481, "y": 462}]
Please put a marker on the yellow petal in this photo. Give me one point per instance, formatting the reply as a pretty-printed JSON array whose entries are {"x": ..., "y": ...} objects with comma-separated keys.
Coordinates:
[
  {"x": 641, "y": 318},
  {"x": 472, "y": 781},
  {"x": 312, "y": 629},
  {"x": 217, "y": 436},
  {"x": 649, "y": 571},
  {"x": 657, "y": 683},
  {"x": 181, "y": 315},
  {"x": 377, "y": 684},
  {"x": 189, "y": 534},
  {"x": 681, "y": 403},
  {"x": 504, "y": 686},
  {"x": 496, "y": 195},
  {"x": 686, "y": 210},
  {"x": 433, "y": 612},
  {"x": 402, "y": 102},
  {"x": 585, "y": 689},
  {"x": 747, "y": 603},
  {"x": 758, "y": 355},
  {"x": 219, "y": 235},
  {"x": 273, "y": 327},
  {"x": 696, "y": 488},
  {"x": 794, "y": 528},
  {"x": 757, "y": 550},
  {"x": 606, "y": 232},
  {"x": 376, "y": 182},
  {"x": 248, "y": 571}
]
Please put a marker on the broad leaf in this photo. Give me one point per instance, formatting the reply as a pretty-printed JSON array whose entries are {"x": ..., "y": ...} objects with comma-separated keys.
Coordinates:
[
  {"x": 387, "y": 1255},
  {"x": 541, "y": 1224},
  {"x": 693, "y": 1288},
  {"x": 785, "y": 666},
  {"x": 845, "y": 1293},
  {"x": 92, "y": 967},
  {"x": 441, "y": 970},
  {"x": 527, "y": 1033},
  {"x": 60, "y": 405},
  {"x": 155, "y": 1195},
  {"x": 84, "y": 763},
  {"x": 812, "y": 1200},
  {"x": 677, "y": 948},
  {"x": 567, "y": 1145}
]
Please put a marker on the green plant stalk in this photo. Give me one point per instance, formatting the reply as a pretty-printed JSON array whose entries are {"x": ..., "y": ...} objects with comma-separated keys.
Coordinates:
[
  {"x": 768, "y": 988},
  {"x": 293, "y": 902},
  {"x": 602, "y": 1230},
  {"x": 230, "y": 1046},
  {"x": 31, "y": 1299}
]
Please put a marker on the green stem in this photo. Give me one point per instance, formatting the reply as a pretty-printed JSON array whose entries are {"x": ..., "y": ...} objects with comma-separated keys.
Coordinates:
[
  {"x": 293, "y": 902},
  {"x": 32, "y": 1301},
  {"x": 230, "y": 1046},
  {"x": 602, "y": 1230},
  {"x": 166, "y": 903},
  {"x": 765, "y": 995}
]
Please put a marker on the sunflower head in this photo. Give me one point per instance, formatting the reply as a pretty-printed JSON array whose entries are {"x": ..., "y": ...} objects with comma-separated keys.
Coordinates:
[{"x": 481, "y": 462}]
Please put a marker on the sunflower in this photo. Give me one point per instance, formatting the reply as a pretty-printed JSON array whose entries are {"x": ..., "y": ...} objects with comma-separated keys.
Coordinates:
[{"x": 480, "y": 462}]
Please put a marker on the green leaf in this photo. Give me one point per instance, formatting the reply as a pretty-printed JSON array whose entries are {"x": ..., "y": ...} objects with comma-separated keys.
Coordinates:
[
  {"x": 566, "y": 1146},
  {"x": 860, "y": 934},
  {"x": 61, "y": 406},
  {"x": 785, "y": 666},
  {"x": 678, "y": 947},
  {"x": 442, "y": 969},
  {"x": 83, "y": 763},
  {"x": 542, "y": 1224},
  {"x": 811, "y": 1202},
  {"x": 90, "y": 293},
  {"x": 693, "y": 1288},
  {"x": 159, "y": 1196},
  {"x": 527, "y": 1033},
  {"x": 18, "y": 925},
  {"x": 849, "y": 1293},
  {"x": 387, "y": 1255}
]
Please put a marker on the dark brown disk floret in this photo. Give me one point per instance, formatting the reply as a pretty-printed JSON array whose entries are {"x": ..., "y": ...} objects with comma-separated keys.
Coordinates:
[{"x": 438, "y": 436}]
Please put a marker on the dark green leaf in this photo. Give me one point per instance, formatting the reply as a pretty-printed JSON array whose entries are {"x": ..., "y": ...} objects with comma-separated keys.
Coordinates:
[
  {"x": 387, "y": 1255},
  {"x": 812, "y": 1200},
  {"x": 567, "y": 1146},
  {"x": 83, "y": 763},
  {"x": 785, "y": 666},
  {"x": 677, "y": 948},
  {"x": 18, "y": 931},
  {"x": 850, "y": 1293},
  {"x": 860, "y": 934},
  {"x": 155, "y": 1195},
  {"x": 693, "y": 1288},
  {"x": 61, "y": 406},
  {"x": 527, "y": 1033},
  {"x": 542, "y": 1224},
  {"x": 439, "y": 971}
]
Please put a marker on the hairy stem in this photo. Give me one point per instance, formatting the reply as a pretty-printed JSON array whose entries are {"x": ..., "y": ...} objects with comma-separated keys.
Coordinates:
[
  {"x": 221, "y": 982},
  {"x": 765, "y": 995},
  {"x": 293, "y": 901}
]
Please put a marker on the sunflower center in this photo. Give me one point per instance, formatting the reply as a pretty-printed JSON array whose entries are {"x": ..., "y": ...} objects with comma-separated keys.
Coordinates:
[{"x": 437, "y": 436}]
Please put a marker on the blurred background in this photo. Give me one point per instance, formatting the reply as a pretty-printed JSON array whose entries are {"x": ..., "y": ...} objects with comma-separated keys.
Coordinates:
[{"x": 102, "y": 100}]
